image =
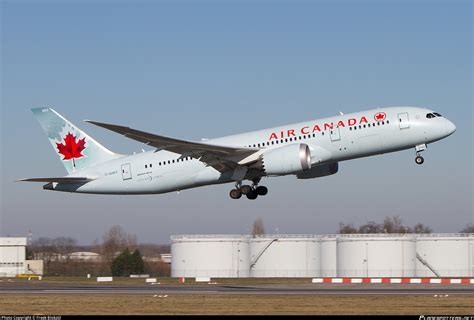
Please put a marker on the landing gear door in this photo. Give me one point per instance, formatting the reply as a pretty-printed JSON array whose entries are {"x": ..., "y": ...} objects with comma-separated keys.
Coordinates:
[
  {"x": 335, "y": 134},
  {"x": 403, "y": 120},
  {"x": 126, "y": 171}
]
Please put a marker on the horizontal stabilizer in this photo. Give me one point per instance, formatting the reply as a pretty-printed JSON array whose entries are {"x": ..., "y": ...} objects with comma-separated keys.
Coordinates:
[{"x": 59, "y": 180}]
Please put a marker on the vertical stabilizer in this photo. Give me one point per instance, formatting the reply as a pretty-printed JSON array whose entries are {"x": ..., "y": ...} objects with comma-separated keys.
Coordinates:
[{"x": 75, "y": 148}]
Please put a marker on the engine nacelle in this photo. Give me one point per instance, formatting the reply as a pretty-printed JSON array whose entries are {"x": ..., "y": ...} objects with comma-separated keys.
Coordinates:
[
  {"x": 318, "y": 171},
  {"x": 289, "y": 159}
]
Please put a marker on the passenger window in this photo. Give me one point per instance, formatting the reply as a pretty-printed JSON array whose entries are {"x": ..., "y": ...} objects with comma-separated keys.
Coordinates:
[
  {"x": 146, "y": 166},
  {"x": 387, "y": 121},
  {"x": 314, "y": 135},
  {"x": 150, "y": 165}
]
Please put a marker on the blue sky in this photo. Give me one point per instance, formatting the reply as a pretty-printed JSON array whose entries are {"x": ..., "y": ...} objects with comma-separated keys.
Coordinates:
[{"x": 202, "y": 69}]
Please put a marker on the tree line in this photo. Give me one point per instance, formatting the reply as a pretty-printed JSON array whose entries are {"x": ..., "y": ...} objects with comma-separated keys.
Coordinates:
[
  {"x": 391, "y": 225},
  {"x": 120, "y": 255},
  {"x": 388, "y": 225}
]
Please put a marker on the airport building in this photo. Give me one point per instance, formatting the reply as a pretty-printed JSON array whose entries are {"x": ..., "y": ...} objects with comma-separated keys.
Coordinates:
[
  {"x": 13, "y": 258},
  {"x": 342, "y": 255}
]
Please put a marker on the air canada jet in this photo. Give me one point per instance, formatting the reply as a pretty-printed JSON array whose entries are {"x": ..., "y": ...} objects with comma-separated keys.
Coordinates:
[{"x": 308, "y": 150}]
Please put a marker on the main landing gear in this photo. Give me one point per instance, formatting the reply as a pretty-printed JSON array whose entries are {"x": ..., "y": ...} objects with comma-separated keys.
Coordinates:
[
  {"x": 419, "y": 148},
  {"x": 251, "y": 192}
]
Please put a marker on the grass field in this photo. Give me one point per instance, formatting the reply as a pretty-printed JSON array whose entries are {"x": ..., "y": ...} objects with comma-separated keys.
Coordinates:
[
  {"x": 216, "y": 303},
  {"x": 52, "y": 304}
]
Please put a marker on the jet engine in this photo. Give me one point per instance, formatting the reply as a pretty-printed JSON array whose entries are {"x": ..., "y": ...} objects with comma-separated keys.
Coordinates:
[
  {"x": 319, "y": 171},
  {"x": 288, "y": 159}
]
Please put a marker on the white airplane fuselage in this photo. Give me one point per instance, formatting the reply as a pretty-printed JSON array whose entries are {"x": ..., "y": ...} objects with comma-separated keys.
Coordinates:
[{"x": 330, "y": 140}]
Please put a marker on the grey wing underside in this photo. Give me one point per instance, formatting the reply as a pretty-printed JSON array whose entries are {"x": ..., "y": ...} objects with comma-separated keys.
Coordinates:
[{"x": 222, "y": 158}]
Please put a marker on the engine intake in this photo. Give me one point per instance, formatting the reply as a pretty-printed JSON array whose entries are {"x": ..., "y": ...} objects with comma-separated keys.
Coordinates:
[{"x": 288, "y": 159}]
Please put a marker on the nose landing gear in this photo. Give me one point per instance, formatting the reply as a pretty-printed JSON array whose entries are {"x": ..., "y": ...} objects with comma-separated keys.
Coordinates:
[
  {"x": 419, "y": 159},
  {"x": 251, "y": 192},
  {"x": 419, "y": 148}
]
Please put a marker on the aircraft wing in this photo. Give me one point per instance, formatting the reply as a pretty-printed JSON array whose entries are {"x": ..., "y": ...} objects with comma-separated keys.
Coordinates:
[
  {"x": 216, "y": 156},
  {"x": 59, "y": 180}
]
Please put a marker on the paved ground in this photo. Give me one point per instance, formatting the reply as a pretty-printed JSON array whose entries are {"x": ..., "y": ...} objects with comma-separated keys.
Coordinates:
[{"x": 36, "y": 287}]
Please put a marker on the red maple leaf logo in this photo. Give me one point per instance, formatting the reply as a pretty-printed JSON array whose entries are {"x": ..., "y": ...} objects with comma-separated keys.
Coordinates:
[
  {"x": 71, "y": 149},
  {"x": 380, "y": 116}
]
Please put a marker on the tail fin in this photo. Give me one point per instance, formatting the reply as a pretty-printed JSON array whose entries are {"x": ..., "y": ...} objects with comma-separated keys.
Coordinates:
[{"x": 75, "y": 148}]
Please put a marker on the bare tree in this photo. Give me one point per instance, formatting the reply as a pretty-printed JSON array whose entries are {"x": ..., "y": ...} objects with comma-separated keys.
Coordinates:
[
  {"x": 421, "y": 228},
  {"x": 346, "y": 228},
  {"x": 469, "y": 228},
  {"x": 257, "y": 228},
  {"x": 52, "y": 249},
  {"x": 371, "y": 227},
  {"x": 115, "y": 240},
  {"x": 394, "y": 225},
  {"x": 64, "y": 245}
]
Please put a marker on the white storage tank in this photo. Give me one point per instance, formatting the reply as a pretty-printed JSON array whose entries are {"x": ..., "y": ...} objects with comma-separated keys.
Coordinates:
[
  {"x": 328, "y": 256},
  {"x": 376, "y": 255},
  {"x": 215, "y": 256},
  {"x": 445, "y": 255},
  {"x": 287, "y": 256}
]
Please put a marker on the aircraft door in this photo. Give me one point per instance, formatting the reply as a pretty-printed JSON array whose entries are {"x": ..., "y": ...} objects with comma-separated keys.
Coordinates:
[
  {"x": 403, "y": 120},
  {"x": 335, "y": 134},
  {"x": 126, "y": 171}
]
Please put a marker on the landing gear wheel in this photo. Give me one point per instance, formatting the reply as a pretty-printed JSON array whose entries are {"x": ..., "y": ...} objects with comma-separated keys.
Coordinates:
[
  {"x": 245, "y": 189},
  {"x": 235, "y": 194},
  {"x": 419, "y": 160},
  {"x": 261, "y": 190},
  {"x": 252, "y": 195}
]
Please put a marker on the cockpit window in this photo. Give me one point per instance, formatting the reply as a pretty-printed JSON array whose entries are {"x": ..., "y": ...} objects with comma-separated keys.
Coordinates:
[
  {"x": 437, "y": 114},
  {"x": 430, "y": 115}
]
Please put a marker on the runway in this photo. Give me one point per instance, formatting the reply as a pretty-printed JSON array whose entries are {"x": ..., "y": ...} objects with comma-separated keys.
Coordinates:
[{"x": 212, "y": 289}]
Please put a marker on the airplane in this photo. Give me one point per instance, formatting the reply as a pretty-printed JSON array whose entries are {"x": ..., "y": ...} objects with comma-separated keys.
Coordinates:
[{"x": 308, "y": 150}]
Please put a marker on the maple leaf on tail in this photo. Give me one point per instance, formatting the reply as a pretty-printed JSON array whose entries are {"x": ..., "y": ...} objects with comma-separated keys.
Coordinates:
[{"x": 71, "y": 149}]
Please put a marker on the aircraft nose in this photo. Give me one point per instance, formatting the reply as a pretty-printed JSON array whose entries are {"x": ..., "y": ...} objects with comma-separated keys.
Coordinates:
[{"x": 450, "y": 127}]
